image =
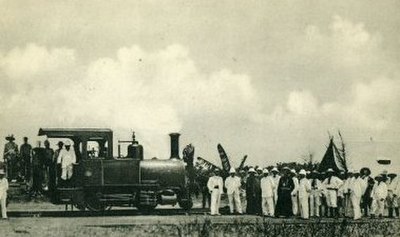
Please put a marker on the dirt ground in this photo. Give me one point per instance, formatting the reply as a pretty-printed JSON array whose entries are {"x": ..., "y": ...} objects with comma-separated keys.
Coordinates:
[{"x": 183, "y": 225}]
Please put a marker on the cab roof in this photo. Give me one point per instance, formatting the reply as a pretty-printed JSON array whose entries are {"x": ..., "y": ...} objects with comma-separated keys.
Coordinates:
[{"x": 75, "y": 132}]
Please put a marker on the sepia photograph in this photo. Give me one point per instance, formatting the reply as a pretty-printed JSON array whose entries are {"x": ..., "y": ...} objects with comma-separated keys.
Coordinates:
[{"x": 202, "y": 118}]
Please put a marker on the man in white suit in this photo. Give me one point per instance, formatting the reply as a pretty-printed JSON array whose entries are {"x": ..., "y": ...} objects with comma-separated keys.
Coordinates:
[
  {"x": 304, "y": 190},
  {"x": 215, "y": 186},
  {"x": 232, "y": 185},
  {"x": 268, "y": 188}
]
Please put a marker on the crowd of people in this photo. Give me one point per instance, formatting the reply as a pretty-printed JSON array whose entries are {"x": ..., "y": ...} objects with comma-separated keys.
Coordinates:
[
  {"x": 40, "y": 168},
  {"x": 287, "y": 193},
  {"x": 256, "y": 191}
]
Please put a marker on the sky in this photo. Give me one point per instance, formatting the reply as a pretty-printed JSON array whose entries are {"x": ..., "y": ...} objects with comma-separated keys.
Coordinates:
[{"x": 270, "y": 79}]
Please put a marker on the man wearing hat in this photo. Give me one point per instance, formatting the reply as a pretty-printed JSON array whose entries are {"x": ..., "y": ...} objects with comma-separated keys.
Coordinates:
[
  {"x": 379, "y": 195},
  {"x": 368, "y": 183},
  {"x": 304, "y": 190},
  {"x": 267, "y": 194},
  {"x": 315, "y": 194},
  {"x": 357, "y": 190},
  {"x": 11, "y": 158},
  {"x": 332, "y": 185},
  {"x": 348, "y": 211},
  {"x": 395, "y": 186},
  {"x": 252, "y": 185},
  {"x": 26, "y": 155},
  {"x": 285, "y": 188},
  {"x": 276, "y": 177},
  {"x": 215, "y": 186},
  {"x": 295, "y": 202},
  {"x": 3, "y": 194},
  {"x": 67, "y": 158},
  {"x": 392, "y": 200},
  {"x": 232, "y": 185},
  {"x": 57, "y": 153},
  {"x": 38, "y": 156}
]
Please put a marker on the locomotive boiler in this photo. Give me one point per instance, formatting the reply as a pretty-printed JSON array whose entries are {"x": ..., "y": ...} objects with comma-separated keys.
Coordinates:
[{"x": 100, "y": 180}]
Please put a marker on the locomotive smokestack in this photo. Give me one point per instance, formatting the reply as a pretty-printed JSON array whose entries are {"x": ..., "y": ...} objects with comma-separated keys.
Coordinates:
[{"x": 174, "y": 145}]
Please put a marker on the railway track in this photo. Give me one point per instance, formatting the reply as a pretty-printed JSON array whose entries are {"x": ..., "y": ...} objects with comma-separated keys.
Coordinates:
[
  {"x": 133, "y": 212},
  {"x": 180, "y": 212}
]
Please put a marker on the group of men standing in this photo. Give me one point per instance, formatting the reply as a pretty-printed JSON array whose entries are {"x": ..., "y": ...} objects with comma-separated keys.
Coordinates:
[
  {"x": 39, "y": 167},
  {"x": 286, "y": 193}
]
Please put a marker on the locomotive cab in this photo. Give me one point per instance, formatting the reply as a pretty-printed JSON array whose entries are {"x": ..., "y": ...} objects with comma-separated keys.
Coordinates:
[{"x": 100, "y": 180}]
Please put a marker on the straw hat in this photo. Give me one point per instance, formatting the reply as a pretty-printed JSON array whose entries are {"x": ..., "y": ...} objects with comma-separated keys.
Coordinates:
[{"x": 10, "y": 137}]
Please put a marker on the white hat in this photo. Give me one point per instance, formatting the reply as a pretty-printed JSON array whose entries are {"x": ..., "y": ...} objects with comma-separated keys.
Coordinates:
[
  {"x": 275, "y": 169},
  {"x": 232, "y": 170},
  {"x": 265, "y": 171},
  {"x": 330, "y": 170},
  {"x": 303, "y": 172},
  {"x": 67, "y": 143},
  {"x": 293, "y": 171},
  {"x": 259, "y": 168},
  {"x": 252, "y": 170},
  {"x": 2, "y": 172}
]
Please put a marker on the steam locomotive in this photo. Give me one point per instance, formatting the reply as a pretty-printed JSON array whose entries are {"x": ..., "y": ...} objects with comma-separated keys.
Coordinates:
[{"x": 101, "y": 181}]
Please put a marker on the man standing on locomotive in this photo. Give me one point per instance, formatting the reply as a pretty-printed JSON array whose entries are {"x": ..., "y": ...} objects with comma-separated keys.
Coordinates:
[
  {"x": 233, "y": 184},
  {"x": 67, "y": 158},
  {"x": 48, "y": 171},
  {"x": 56, "y": 165},
  {"x": 11, "y": 158},
  {"x": 215, "y": 186},
  {"x": 3, "y": 194},
  {"x": 26, "y": 155}
]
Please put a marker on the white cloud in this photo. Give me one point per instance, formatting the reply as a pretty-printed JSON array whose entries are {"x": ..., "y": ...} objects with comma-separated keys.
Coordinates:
[
  {"x": 34, "y": 60},
  {"x": 151, "y": 92},
  {"x": 302, "y": 103},
  {"x": 374, "y": 105},
  {"x": 333, "y": 85}
]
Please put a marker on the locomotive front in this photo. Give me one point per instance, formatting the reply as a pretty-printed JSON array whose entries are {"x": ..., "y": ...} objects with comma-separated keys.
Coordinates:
[{"x": 170, "y": 175}]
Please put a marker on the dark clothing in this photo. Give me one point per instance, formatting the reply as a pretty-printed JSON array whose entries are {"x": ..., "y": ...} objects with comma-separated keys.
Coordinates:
[
  {"x": 57, "y": 167},
  {"x": 38, "y": 157},
  {"x": 258, "y": 196},
  {"x": 11, "y": 159},
  {"x": 284, "y": 204},
  {"x": 48, "y": 169},
  {"x": 26, "y": 165},
  {"x": 206, "y": 196},
  {"x": 252, "y": 191},
  {"x": 366, "y": 200}
]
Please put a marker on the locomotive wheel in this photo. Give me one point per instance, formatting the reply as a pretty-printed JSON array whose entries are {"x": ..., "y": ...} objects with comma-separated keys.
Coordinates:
[
  {"x": 186, "y": 205},
  {"x": 146, "y": 208},
  {"x": 80, "y": 207},
  {"x": 93, "y": 203}
]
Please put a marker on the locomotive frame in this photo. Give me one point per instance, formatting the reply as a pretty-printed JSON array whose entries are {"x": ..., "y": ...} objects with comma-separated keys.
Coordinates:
[{"x": 100, "y": 182}]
